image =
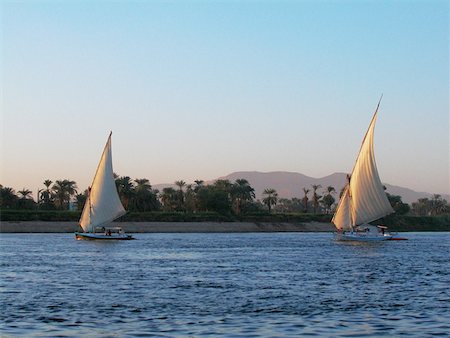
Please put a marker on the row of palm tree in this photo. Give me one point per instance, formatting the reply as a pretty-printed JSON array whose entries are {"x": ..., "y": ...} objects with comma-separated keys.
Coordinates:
[
  {"x": 222, "y": 196},
  {"x": 433, "y": 206},
  {"x": 327, "y": 200},
  {"x": 137, "y": 194},
  {"x": 57, "y": 196}
]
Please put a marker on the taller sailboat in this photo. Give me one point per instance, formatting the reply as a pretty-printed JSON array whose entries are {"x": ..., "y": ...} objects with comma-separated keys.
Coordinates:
[
  {"x": 103, "y": 203},
  {"x": 364, "y": 199}
]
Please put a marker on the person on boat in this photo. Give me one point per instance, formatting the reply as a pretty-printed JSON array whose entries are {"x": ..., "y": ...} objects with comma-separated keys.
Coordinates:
[{"x": 109, "y": 232}]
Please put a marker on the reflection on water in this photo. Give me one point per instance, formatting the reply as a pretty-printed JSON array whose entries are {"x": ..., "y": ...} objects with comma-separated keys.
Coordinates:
[{"x": 281, "y": 284}]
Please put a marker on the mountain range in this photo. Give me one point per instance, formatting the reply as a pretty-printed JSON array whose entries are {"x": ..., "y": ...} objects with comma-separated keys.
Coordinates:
[{"x": 291, "y": 184}]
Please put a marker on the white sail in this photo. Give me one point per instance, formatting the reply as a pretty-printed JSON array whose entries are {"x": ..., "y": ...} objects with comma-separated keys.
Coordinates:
[
  {"x": 365, "y": 200},
  {"x": 103, "y": 203},
  {"x": 368, "y": 198},
  {"x": 342, "y": 219}
]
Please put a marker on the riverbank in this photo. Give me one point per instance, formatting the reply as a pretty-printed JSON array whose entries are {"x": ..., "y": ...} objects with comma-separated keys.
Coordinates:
[
  {"x": 67, "y": 221},
  {"x": 169, "y": 227}
]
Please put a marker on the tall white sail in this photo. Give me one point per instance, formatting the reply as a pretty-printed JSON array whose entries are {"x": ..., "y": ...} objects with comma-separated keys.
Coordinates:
[
  {"x": 368, "y": 198},
  {"x": 365, "y": 200},
  {"x": 103, "y": 203}
]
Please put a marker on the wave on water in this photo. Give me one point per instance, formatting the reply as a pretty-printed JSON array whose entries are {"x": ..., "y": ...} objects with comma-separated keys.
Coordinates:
[{"x": 231, "y": 285}]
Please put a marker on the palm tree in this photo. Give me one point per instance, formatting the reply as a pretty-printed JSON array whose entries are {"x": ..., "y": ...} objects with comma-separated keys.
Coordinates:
[
  {"x": 331, "y": 190},
  {"x": 125, "y": 188},
  {"x": 438, "y": 205},
  {"x": 26, "y": 200},
  {"x": 397, "y": 204},
  {"x": 169, "y": 199},
  {"x": 421, "y": 207},
  {"x": 316, "y": 197},
  {"x": 46, "y": 196},
  {"x": 296, "y": 204},
  {"x": 305, "y": 199},
  {"x": 328, "y": 200},
  {"x": 180, "y": 184},
  {"x": 59, "y": 194},
  {"x": 224, "y": 185},
  {"x": 71, "y": 188},
  {"x": 284, "y": 205},
  {"x": 271, "y": 199},
  {"x": 64, "y": 190},
  {"x": 190, "y": 202},
  {"x": 199, "y": 183},
  {"x": 81, "y": 199},
  {"x": 141, "y": 196},
  {"x": 142, "y": 184},
  {"x": 47, "y": 184},
  {"x": 26, "y": 194},
  {"x": 8, "y": 197},
  {"x": 144, "y": 197},
  {"x": 241, "y": 193}
]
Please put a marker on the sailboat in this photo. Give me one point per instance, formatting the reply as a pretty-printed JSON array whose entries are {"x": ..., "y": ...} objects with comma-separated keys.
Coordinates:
[
  {"x": 103, "y": 204},
  {"x": 363, "y": 199}
]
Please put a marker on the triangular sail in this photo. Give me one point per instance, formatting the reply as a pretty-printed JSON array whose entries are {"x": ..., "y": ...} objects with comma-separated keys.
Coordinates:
[
  {"x": 369, "y": 200},
  {"x": 103, "y": 203},
  {"x": 366, "y": 200},
  {"x": 342, "y": 219}
]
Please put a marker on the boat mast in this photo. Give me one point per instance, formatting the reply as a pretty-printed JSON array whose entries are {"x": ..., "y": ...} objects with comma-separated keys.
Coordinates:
[
  {"x": 350, "y": 201},
  {"x": 90, "y": 206}
]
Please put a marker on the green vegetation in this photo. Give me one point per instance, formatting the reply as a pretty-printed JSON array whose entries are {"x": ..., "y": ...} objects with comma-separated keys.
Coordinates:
[
  {"x": 222, "y": 201},
  {"x": 166, "y": 216},
  {"x": 40, "y": 215},
  {"x": 394, "y": 222},
  {"x": 417, "y": 223},
  {"x": 271, "y": 198}
]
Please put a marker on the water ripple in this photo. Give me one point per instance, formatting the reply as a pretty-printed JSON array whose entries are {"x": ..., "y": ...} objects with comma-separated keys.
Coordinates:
[{"x": 230, "y": 285}]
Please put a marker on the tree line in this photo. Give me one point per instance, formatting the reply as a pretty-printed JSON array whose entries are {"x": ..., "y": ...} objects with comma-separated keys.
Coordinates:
[{"x": 223, "y": 196}]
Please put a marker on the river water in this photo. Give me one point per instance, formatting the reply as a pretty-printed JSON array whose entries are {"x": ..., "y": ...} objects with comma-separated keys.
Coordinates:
[{"x": 229, "y": 285}]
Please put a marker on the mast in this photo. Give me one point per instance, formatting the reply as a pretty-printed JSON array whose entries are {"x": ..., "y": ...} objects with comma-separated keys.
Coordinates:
[{"x": 90, "y": 206}]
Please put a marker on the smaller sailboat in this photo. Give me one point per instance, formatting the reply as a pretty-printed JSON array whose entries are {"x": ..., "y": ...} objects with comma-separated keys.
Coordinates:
[
  {"x": 103, "y": 204},
  {"x": 364, "y": 199}
]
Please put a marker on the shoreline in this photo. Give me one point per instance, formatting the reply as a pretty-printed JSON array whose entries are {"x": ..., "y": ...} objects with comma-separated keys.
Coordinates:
[{"x": 169, "y": 227}]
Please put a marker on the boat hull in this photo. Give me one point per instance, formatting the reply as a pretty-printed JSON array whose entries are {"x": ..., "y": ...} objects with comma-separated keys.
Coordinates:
[
  {"x": 95, "y": 236},
  {"x": 361, "y": 237}
]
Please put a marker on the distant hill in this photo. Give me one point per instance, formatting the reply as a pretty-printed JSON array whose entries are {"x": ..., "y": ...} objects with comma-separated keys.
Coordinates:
[{"x": 290, "y": 184}]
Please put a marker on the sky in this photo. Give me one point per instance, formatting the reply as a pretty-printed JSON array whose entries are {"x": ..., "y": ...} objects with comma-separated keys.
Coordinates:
[{"x": 201, "y": 89}]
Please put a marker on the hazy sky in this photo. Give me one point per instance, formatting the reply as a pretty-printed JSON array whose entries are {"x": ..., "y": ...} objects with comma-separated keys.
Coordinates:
[{"x": 199, "y": 89}]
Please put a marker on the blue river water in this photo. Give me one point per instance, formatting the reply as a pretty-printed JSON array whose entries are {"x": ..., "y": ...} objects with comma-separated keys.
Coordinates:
[{"x": 228, "y": 285}]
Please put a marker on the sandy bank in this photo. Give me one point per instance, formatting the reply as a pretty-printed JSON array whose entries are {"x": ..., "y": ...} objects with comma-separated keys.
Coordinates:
[{"x": 144, "y": 227}]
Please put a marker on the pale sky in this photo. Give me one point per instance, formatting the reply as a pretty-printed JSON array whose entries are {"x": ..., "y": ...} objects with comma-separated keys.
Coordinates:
[{"x": 200, "y": 89}]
